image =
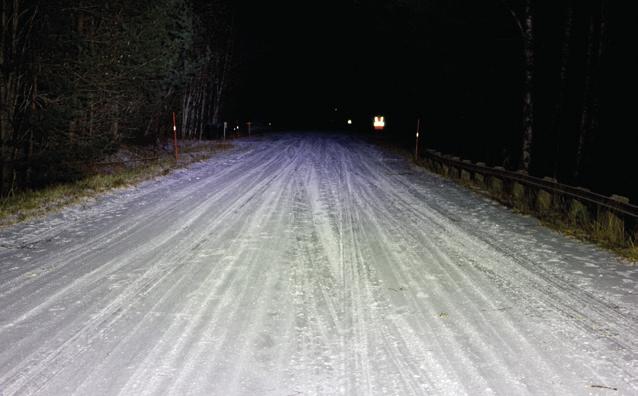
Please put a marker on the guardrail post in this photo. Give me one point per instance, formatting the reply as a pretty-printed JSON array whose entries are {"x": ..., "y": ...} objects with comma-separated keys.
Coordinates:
[
  {"x": 579, "y": 213},
  {"x": 454, "y": 171},
  {"x": 445, "y": 170},
  {"x": 496, "y": 184},
  {"x": 436, "y": 165},
  {"x": 519, "y": 193},
  {"x": 466, "y": 176},
  {"x": 478, "y": 177},
  {"x": 429, "y": 163},
  {"x": 610, "y": 225},
  {"x": 545, "y": 199},
  {"x": 612, "y": 220}
]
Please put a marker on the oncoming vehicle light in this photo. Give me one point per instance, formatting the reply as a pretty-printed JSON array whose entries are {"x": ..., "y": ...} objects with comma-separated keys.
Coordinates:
[{"x": 379, "y": 123}]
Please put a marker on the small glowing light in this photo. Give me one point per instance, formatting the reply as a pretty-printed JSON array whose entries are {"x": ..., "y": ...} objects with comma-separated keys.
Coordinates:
[
  {"x": 349, "y": 122},
  {"x": 417, "y": 134},
  {"x": 336, "y": 109},
  {"x": 174, "y": 128},
  {"x": 379, "y": 123}
]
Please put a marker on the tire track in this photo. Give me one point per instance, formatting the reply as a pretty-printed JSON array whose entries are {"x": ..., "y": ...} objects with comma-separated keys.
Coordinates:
[{"x": 307, "y": 264}]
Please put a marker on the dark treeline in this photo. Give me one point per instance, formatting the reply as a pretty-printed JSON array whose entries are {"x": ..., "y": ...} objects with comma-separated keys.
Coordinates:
[
  {"x": 548, "y": 87},
  {"x": 79, "y": 77},
  {"x": 543, "y": 86}
]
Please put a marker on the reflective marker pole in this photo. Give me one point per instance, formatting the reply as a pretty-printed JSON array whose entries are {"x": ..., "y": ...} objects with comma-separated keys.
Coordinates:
[
  {"x": 416, "y": 149},
  {"x": 225, "y": 126},
  {"x": 175, "y": 137}
]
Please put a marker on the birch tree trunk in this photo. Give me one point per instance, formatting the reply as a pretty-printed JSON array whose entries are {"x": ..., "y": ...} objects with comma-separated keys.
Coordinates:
[
  {"x": 8, "y": 79},
  {"x": 4, "y": 127},
  {"x": 589, "y": 116},
  {"x": 562, "y": 90},
  {"x": 29, "y": 156},
  {"x": 225, "y": 70},
  {"x": 115, "y": 129},
  {"x": 219, "y": 92},
  {"x": 202, "y": 114},
  {"x": 528, "y": 98},
  {"x": 186, "y": 109}
]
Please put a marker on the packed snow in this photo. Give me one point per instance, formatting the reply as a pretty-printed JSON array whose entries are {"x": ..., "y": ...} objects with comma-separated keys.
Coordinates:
[{"x": 309, "y": 264}]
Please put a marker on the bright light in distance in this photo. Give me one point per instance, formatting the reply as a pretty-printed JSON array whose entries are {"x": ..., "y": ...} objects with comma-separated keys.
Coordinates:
[
  {"x": 379, "y": 123},
  {"x": 349, "y": 122}
]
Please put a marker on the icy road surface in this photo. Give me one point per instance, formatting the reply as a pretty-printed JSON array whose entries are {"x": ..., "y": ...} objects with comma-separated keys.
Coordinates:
[{"x": 309, "y": 264}]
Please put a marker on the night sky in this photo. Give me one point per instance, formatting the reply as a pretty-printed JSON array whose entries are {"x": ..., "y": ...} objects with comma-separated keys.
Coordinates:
[
  {"x": 296, "y": 59},
  {"x": 300, "y": 60}
]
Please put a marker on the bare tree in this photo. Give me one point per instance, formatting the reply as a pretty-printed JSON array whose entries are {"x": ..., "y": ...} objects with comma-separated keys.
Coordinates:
[
  {"x": 528, "y": 100},
  {"x": 589, "y": 115},
  {"x": 525, "y": 24},
  {"x": 203, "y": 98},
  {"x": 568, "y": 28},
  {"x": 17, "y": 85}
]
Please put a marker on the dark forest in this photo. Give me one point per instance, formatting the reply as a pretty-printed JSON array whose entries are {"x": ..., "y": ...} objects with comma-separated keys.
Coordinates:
[{"x": 546, "y": 87}]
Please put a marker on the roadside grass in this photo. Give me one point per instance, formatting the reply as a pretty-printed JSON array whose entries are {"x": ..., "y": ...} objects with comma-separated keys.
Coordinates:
[
  {"x": 589, "y": 233},
  {"x": 573, "y": 223},
  {"x": 31, "y": 204},
  {"x": 631, "y": 252}
]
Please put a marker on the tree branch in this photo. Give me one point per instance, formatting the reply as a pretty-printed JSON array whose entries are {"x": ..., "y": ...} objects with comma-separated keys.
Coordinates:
[{"x": 519, "y": 24}]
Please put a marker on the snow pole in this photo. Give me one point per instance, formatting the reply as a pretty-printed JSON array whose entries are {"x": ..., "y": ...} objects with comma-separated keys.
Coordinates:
[{"x": 175, "y": 137}]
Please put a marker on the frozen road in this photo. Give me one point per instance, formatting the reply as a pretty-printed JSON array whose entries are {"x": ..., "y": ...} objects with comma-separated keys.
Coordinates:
[{"x": 309, "y": 264}]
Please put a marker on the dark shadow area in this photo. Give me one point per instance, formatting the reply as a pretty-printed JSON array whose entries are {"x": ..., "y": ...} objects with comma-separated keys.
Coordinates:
[
  {"x": 546, "y": 87},
  {"x": 459, "y": 66}
]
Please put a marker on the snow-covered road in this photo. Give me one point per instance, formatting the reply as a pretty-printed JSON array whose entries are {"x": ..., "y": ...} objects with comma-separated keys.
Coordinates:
[{"x": 303, "y": 264}]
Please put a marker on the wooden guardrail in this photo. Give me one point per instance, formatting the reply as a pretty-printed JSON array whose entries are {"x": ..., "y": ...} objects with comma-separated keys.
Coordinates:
[{"x": 614, "y": 218}]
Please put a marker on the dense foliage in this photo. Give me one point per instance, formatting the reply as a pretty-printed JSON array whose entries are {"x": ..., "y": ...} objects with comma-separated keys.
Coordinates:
[{"x": 79, "y": 77}]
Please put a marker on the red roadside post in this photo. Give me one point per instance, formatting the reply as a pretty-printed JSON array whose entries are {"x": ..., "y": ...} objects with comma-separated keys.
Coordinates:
[
  {"x": 416, "y": 149},
  {"x": 175, "y": 136}
]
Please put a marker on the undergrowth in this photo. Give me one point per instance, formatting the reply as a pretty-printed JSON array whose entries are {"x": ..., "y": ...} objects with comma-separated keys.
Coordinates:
[
  {"x": 30, "y": 204},
  {"x": 581, "y": 229}
]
